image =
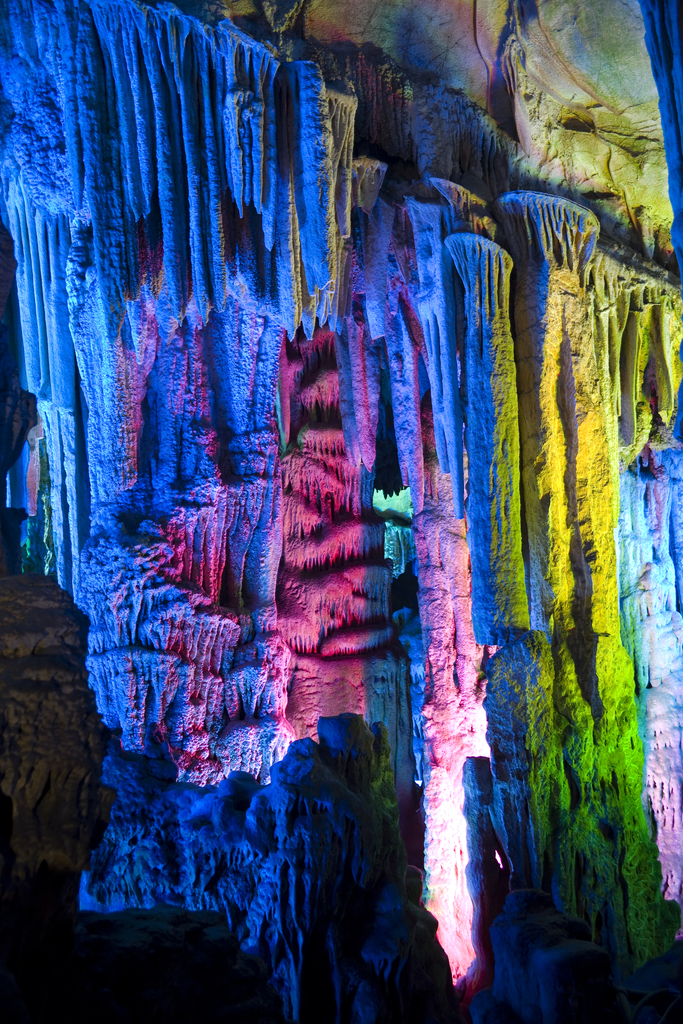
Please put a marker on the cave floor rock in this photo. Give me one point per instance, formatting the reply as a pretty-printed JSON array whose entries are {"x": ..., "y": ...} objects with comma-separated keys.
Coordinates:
[{"x": 165, "y": 964}]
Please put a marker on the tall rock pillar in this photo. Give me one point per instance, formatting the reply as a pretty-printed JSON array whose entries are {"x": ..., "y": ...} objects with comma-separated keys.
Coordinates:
[
  {"x": 471, "y": 574},
  {"x": 566, "y": 757}
]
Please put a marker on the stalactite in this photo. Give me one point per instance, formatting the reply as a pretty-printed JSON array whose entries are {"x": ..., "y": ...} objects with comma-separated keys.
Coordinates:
[
  {"x": 403, "y": 354},
  {"x": 43, "y": 241},
  {"x": 650, "y": 575},
  {"x": 550, "y": 239},
  {"x": 399, "y": 546},
  {"x": 17, "y": 417},
  {"x": 334, "y": 582},
  {"x": 359, "y": 369},
  {"x": 431, "y": 224},
  {"x": 499, "y": 603}
]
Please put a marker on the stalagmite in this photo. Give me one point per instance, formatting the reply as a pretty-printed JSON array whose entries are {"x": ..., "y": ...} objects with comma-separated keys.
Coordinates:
[
  {"x": 587, "y": 774},
  {"x": 454, "y": 723},
  {"x": 331, "y": 804}
]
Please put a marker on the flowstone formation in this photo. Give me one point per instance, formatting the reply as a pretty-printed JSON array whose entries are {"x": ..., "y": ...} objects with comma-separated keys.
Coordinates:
[{"x": 280, "y": 266}]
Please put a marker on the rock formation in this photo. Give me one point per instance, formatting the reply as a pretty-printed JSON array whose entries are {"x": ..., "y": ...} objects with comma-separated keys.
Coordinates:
[
  {"x": 309, "y": 871},
  {"x": 547, "y": 969},
  {"x": 53, "y": 807},
  {"x": 165, "y": 964},
  {"x": 278, "y": 265},
  {"x": 17, "y": 417}
]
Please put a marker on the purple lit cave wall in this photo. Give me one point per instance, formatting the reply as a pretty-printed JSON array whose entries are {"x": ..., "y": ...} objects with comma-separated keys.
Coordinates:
[{"x": 341, "y": 518}]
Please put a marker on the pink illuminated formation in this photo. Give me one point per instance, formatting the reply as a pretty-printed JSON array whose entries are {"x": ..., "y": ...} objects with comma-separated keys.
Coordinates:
[{"x": 333, "y": 591}]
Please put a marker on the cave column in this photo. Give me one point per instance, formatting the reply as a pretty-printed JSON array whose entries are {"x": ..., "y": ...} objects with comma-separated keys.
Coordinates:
[
  {"x": 471, "y": 578},
  {"x": 497, "y": 610},
  {"x": 499, "y": 601},
  {"x": 561, "y": 721},
  {"x": 552, "y": 242},
  {"x": 453, "y": 718}
]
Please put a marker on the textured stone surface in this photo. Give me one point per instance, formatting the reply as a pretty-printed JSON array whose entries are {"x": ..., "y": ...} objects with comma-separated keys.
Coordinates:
[
  {"x": 309, "y": 870},
  {"x": 567, "y": 89},
  {"x": 333, "y": 591},
  {"x": 453, "y": 720},
  {"x": 488, "y": 872},
  {"x": 650, "y": 581},
  {"x": 547, "y": 969},
  {"x": 499, "y": 601},
  {"x": 663, "y": 40},
  {"x": 588, "y": 767},
  {"x": 17, "y": 417},
  {"x": 53, "y": 805},
  {"x": 598, "y": 858}
]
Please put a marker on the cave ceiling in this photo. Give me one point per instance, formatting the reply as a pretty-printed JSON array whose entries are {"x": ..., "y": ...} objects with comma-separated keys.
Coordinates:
[{"x": 570, "y": 83}]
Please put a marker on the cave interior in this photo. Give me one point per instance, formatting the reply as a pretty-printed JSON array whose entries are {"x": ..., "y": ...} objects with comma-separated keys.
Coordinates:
[{"x": 341, "y": 511}]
